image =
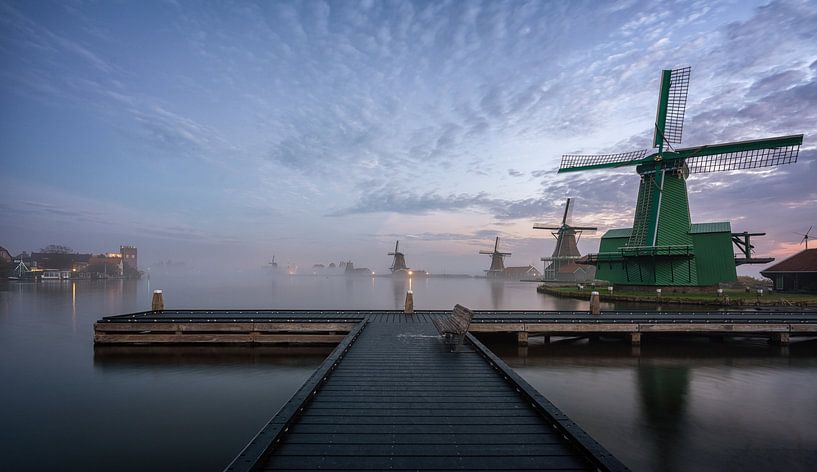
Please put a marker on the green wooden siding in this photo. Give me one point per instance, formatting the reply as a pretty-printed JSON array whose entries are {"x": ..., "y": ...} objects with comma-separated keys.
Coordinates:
[{"x": 714, "y": 257}]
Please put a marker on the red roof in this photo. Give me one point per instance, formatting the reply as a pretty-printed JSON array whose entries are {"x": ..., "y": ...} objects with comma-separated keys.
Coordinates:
[{"x": 803, "y": 261}]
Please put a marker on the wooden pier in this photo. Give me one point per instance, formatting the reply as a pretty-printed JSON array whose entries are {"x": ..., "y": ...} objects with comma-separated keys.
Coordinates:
[
  {"x": 331, "y": 326},
  {"x": 392, "y": 397}
]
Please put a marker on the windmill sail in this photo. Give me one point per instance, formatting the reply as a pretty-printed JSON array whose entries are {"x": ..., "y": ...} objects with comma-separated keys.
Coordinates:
[
  {"x": 669, "y": 120},
  {"x": 742, "y": 155},
  {"x": 575, "y": 162}
]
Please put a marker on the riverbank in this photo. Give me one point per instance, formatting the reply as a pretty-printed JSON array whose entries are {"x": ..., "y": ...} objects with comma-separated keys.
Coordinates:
[{"x": 730, "y": 297}]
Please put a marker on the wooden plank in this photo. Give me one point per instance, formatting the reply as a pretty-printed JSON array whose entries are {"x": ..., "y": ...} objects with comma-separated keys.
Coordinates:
[
  {"x": 486, "y": 439},
  {"x": 713, "y": 328},
  {"x": 304, "y": 327},
  {"x": 451, "y": 449},
  {"x": 135, "y": 327},
  {"x": 421, "y": 430},
  {"x": 436, "y": 463},
  {"x": 248, "y": 338}
]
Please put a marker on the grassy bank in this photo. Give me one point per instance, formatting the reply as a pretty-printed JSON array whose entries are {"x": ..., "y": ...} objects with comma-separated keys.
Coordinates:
[{"x": 730, "y": 297}]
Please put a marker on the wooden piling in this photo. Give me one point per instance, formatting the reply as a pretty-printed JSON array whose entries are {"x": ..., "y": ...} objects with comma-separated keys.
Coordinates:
[
  {"x": 522, "y": 338},
  {"x": 409, "y": 308},
  {"x": 158, "y": 303},
  {"x": 780, "y": 339},
  {"x": 595, "y": 303},
  {"x": 634, "y": 339}
]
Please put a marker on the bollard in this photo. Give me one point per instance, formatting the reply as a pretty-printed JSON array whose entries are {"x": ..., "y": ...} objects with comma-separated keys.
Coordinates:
[
  {"x": 158, "y": 303},
  {"x": 720, "y": 292},
  {"x": 658, "y": 293},
  {"x": 610, "y": 289},
  {"x": 595, "y": 303},
  {"x": 409, "y": 309}
]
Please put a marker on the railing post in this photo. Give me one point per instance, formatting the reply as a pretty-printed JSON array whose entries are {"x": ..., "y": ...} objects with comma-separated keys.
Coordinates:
[
  {"x": 158, "y": 303},
  {"x": 595, "y": 303},
  {"x": 409, "y": 308}
]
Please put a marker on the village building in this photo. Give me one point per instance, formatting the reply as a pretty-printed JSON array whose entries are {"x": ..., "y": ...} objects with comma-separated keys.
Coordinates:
[{"x": 797, "y": 273}]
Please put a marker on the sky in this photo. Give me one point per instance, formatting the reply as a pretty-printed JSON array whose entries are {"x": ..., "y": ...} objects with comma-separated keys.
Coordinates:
[{"x": 219, "y": 134}]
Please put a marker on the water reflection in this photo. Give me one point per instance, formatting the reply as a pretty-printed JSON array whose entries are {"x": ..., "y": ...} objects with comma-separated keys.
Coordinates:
[
  {"x": 497, "y": 292},
  {"x": 682, "y": 404},
  {"x": 686, "y": 405},
  {"x": 663, "y": 395},
  {"x": 122, "y": 358}
]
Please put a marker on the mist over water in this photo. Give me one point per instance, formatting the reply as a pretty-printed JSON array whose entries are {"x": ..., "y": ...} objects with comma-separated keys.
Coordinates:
[{"x": 670, "y": 405}]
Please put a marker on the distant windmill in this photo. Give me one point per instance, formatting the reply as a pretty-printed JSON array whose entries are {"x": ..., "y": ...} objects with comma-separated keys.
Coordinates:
[
  {"x": 566, "y": 251},
  {"x": 497, "y": 260},
  {"x": 805, "y": 236},
  {"x": 663, "y": 247},
  {"x": 273, "y": 264},
  {"x": 399, "y": 262},
  {"x": 21, "y": 269}
]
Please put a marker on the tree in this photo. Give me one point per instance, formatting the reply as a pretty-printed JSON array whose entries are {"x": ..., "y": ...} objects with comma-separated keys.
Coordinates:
[
  {"x": 57, "y": 249},
  {"x": 111, "y": 270}
]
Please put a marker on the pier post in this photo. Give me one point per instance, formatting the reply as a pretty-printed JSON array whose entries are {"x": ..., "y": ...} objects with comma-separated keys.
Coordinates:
[
  {"x": 634, "y": 339},
  {"x": 522, "y": 338},
  {"x": 595, "y": 303},
  {"x": 780, "y": 339},
  {"x": 158, "y": 303},
  {"x": 409, "y": 308}
]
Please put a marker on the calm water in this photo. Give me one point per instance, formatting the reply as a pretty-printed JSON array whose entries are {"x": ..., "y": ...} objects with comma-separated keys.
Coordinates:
[{"x": 670, "y": 405}]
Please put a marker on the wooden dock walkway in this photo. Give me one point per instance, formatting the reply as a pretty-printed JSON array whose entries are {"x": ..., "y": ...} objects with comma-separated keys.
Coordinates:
[
  {"x": 391, "y": 397},
  {"x": 331, "y": 326}
]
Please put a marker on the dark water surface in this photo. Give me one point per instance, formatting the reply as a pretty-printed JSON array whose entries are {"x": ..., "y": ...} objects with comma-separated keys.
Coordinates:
[{"x": 670, "y": 405}]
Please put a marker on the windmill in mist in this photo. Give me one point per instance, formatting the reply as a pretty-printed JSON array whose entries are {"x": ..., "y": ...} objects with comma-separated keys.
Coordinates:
[
  {"x": 497, "y": 261},
  {"x": 399, "y": 261},
  {"x": 563, "y": 265},
  {"x": 399, "y": 267}
]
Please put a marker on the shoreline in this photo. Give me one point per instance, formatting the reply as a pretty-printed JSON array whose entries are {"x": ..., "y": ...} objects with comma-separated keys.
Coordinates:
[{"x": 730, "y": 298}]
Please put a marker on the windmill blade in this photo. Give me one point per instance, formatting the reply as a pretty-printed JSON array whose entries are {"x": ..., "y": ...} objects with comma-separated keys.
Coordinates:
[
  {"x": 542, "y": 226},
  {"x": 672, "y": 102},
  {"x": 583, "y": 228},
  {"x": 567, "y": 211},
  {"x": 496, "y": 244},
  {"x": 577, "y": 162},
  {"x": 483, "y": 251},
  {"x": 742, "y": 155}
]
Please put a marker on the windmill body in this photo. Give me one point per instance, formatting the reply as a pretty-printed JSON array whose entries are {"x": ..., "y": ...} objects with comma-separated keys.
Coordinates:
[
  {"x": 561, "y": 266},
  {"x": 663, "y": 247}
]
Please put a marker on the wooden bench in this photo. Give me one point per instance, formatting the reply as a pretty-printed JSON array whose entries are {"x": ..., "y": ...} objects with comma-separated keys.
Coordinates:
[{"x": 454, "y": 326}]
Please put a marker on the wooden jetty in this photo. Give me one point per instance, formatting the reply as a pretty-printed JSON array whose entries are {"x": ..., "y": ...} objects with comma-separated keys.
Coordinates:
[
  {"x": 331, "y": 326},
  {"x": 392, "y": 397}
]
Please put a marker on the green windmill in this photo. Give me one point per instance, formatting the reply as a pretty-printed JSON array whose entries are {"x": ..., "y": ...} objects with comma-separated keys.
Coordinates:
[{"x": 663, "y": 247}]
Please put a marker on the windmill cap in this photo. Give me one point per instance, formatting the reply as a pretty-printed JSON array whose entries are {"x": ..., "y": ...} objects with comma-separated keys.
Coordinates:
[{"x": 157, "y": 291}]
